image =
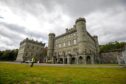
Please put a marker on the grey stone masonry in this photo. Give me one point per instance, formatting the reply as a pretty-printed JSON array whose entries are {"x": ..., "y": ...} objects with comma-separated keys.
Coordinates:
[
  {"x": 28, "y": 49},
  {"x": 75, "y": 46},
  {"x": 114, "y": 57}
]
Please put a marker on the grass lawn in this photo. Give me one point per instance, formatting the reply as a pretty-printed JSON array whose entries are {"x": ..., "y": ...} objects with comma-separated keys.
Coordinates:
[{"x": 24, "y": 74}]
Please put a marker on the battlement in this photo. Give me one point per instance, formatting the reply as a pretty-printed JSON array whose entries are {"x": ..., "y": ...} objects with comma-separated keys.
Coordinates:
[
  {"x": 71, "y": 29},
  {"x": 80, "y": 19},
  {"x": 68, "y": 31},
  {"x": 27, "y": 40},
  {"x": 95, "y": 36},
  {"x": 51, "y": 34}
]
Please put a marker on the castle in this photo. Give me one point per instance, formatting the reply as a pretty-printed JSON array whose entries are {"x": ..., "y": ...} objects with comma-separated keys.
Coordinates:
[
  {"x": 28, "y": 49},
  {"x": 75, "y": 46}
]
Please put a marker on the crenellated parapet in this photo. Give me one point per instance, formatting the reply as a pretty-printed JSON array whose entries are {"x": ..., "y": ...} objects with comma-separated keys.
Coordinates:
[
  {"x": 51, "y": 34},
  {"x": 80, "y": 19},
  {"x": 71, "y": 29},
  {"x": 27, "y": 40},
  {"x": 30, "y": 48}
]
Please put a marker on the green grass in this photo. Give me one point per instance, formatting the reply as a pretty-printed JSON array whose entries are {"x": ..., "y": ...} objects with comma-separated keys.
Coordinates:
[{"x": 24, "y": 74}]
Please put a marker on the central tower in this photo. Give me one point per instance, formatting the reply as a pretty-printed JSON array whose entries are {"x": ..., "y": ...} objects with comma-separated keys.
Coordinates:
[{"x": 82, "y": 34}]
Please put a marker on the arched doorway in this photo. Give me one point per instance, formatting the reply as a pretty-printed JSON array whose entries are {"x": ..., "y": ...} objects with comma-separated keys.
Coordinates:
[
  {"x": 70, "y": 58},
  {"x": 61, "y": 60},
  {"x": 54, "y": 60},
  {"x": 73, "y": 60},
  {"x": 80, "y": 60},
  {"x": 65, "y": 60},
  {"x": 88, "y": 60}
]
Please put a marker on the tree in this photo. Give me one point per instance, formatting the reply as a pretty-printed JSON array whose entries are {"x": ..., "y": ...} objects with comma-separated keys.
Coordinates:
[
  {"x": 111, "y": 46},
  {"x": 8, "y": 55}
]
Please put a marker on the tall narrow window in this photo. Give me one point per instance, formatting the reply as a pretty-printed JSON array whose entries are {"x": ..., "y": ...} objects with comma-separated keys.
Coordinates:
[
  {"x": 75, "y": 41},
  {"x": 64, "y": 44},
  {"x": 68, "y": 43},
  {"x": 59, "y": 45}
]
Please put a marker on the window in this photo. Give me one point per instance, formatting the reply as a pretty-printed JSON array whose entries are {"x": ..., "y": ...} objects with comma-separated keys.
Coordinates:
[
  {"x": 60, "y": 53},
  {"x": 68, "y": 36},
  {"x": 63, "y": 52},
  {"x": 27, "y": 46},
  {"x": 59, "y": 45},
  {"x": 56, "y": 41},
  {"x": 64, "y": 44},
  {"x": 36, "y": 48},
  {"x": 64, "y": 38},
  {"x": 32, "y": 47},
  {"x": 55, "y": 53},
  {"x": 41, "y": 48},
  {"x": 74, "y": 34},
  {"x": 56, "y": 46},
  {"x": 68, "y": 43},
  {"x": 69, "y": 51},
  {"x": 26, "y": 54},
  {"x": 75, "y": 41},
  {"x": 75, "y": 49}
]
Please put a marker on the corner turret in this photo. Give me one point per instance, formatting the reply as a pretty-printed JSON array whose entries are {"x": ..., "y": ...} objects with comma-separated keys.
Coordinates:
[
  {"x": 51, "y": 42},
  {"x": 81, "y": 33}
]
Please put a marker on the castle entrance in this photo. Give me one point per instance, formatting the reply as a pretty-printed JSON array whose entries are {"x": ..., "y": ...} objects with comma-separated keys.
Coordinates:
[
  {"x": 54, "y": 60},
  {"x": 65, "y": 60},
  {"x": 73, "y": 60},
  {"x": 88, "y": 60},
  {"x": 61, "y": 60},
  {"x": 80, "y": 60}
]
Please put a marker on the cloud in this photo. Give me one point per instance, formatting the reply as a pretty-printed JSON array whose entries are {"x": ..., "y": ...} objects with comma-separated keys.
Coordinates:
[
  {"x": 36, "y": 18},
  {"x": 77, "y": 8},
  {"x": 12, "y": 34},
  {"x": 19, "y": 24},
  {"x": 109, "y": 26}
]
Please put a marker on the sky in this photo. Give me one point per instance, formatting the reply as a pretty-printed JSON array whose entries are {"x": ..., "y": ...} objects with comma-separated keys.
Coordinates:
[{"x": 35, "y": 19}]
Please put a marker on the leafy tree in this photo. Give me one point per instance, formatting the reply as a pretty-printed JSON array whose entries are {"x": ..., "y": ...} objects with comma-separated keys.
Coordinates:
[
  {"x": 112, "y": 46},
  {"x": 8, "y": 55},
  {"x": 45, "y": 51}
]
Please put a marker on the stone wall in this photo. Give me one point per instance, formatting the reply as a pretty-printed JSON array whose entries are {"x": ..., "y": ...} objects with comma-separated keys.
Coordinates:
[
  {"x": 124, "y": 55},
  {"x": 28, "y": 49},
  {"x": 109, "y": 57},
  {"x": 115, "y": 56}
]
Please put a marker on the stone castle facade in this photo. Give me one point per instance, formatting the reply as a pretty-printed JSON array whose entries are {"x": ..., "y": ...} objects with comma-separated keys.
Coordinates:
[
  {"x": 75, "y": 46},
  {"x": 28, "y": 49}
]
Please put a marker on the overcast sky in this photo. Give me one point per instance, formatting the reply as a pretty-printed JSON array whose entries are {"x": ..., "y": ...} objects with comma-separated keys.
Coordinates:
[{"x": 36, "y": 18}]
